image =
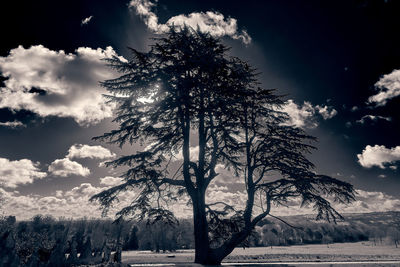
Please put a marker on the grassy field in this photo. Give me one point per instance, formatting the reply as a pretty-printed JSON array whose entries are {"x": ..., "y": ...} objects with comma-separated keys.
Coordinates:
[{"x": 346, "y": 252}]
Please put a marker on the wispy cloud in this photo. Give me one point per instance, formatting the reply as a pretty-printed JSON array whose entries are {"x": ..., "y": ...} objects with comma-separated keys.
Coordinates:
[
  {"x": 12, "y": 124},
  {"x": 92, "y": 152},
  {"x": 85, "y": 21},
  {"x": 372, "y": 118},
  {"x": 212, "y": 22},
  {"x": 354, "y": 108},
  {"x": 110, "y": 181}
]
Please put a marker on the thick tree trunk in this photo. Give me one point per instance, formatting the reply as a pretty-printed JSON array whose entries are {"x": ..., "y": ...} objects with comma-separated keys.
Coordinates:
[
  {"x": 203, "y": 253},
  {"x": 220, "y": 253},
  {"x": 201, "y": 239}
]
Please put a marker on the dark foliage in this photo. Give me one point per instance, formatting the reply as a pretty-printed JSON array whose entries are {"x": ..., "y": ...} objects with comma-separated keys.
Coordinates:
[
  {"x": 45, "y": 242},
  {"x": 187, "y": 90},
  {"x": 131, "y": 240}
]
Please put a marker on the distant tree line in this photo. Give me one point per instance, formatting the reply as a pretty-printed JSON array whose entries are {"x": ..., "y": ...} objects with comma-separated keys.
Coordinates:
[
  {"x": 280, "y": 234},
  {"x": 375, "y": 228},
  {"x": 45, "y": 241}
]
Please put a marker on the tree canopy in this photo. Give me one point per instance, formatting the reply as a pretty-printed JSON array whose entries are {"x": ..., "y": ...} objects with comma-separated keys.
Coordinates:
[{"x": 186, "y": 91}]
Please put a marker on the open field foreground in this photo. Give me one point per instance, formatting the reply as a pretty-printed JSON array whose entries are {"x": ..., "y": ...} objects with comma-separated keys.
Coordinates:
[{"x": 361, "y": 253}]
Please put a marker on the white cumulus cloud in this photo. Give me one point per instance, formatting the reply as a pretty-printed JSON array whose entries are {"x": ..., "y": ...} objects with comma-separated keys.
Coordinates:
[
  {"x": 12, "y": 124},
  {"x": 85, "y": 151},
  {"x": 212, "y": 22},
  {"x": 66, "y": 167},
  {"x": 53, "y": 83},
  {"x": 71, "y": 203},
  {"x": 74, "y": 203},
  {"x": 84, "y": 190},
  {"x": 236, "y": 199},
  {"x": 372, "y": 118},
  {"x": 305, "y": 115},
  {"x": 19, "y": 172},
  {"x": 388, "y": 87},
  {"x": 300, "y": 116},
  {"x": 369, "y": 201},
  {"x": 379, "y": 156}
]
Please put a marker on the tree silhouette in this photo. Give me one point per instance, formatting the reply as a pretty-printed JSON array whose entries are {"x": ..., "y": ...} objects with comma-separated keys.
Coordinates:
[
  {"x": 132, "y": 242},
  {"x": 187, "y": 91}
]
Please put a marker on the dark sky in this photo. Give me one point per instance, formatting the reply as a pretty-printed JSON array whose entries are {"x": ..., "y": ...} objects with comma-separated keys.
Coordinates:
[{"x": 328, "y": 57}]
